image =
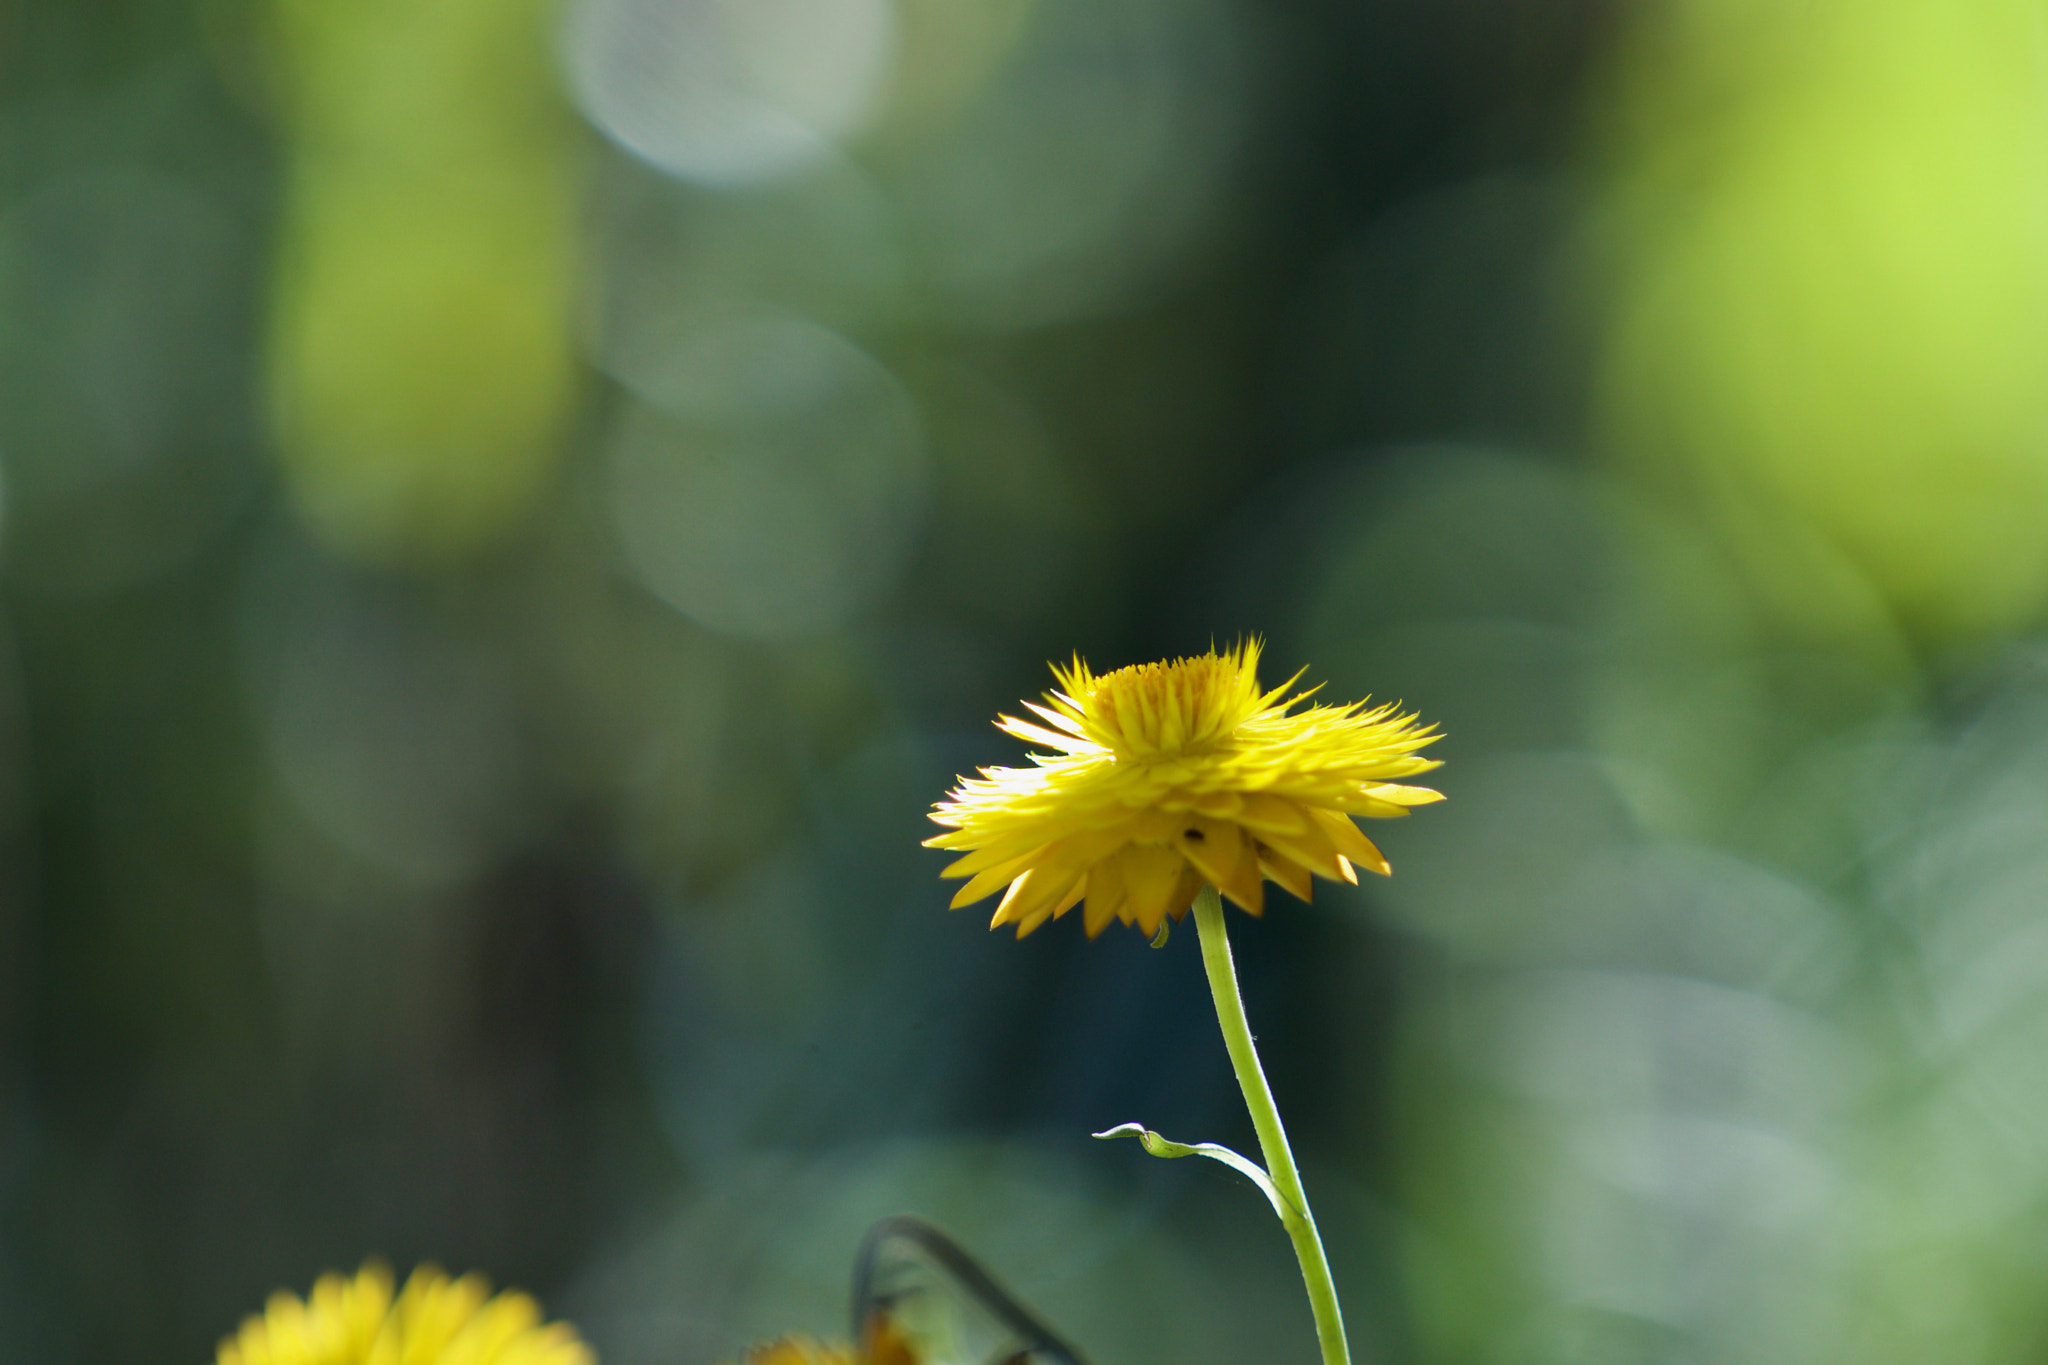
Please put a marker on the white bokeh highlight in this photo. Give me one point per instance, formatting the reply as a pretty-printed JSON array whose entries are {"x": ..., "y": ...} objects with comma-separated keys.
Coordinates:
[
  {"x": 729, "y": 92},
  {"x": 774, "y": 485}
]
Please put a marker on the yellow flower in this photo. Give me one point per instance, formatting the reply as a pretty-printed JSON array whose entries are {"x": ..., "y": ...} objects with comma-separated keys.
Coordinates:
[
  {"x": 884, "y": 1347},
  {"x": 1170, "y": 775},
  {"x": 797, "y": 1350},
  {"x": 434, "y": 1321}
]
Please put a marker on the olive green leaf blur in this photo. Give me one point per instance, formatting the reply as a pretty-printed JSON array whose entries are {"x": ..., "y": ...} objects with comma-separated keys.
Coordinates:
[{"x": 512, "y": 510}]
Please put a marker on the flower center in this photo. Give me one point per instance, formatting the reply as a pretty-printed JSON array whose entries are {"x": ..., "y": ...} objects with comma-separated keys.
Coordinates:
[{"x": 1166, "y": 709}]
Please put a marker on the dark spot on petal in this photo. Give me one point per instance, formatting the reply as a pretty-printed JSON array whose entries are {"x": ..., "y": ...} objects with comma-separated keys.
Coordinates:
[{"x": 1192, "y": 834}]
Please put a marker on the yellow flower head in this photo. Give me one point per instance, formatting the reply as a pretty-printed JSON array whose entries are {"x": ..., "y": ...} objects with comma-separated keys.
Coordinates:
[
  {"x": 884, "y": 1347},
  {"x": 433, "y": 1321},
  {"x": 797, "y": 1350},
  {"x": 1170, "y": 775}
]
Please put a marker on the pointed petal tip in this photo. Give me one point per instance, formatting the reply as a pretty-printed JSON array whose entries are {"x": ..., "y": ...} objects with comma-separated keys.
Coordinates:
[{"x": 1394, "y": 793}]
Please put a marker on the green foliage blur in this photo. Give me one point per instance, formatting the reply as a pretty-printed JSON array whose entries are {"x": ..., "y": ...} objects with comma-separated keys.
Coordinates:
[{"x": 510, "y": 512}]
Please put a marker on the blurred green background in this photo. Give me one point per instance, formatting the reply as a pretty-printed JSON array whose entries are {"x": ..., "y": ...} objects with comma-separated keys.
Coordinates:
[{"x": 511, "y": 512}]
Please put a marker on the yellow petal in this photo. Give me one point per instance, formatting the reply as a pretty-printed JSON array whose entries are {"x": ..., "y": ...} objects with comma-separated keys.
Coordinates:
[
  {"x": 992, "y": 855},
  {"x": 1056, "y": 870},
  {"x": 1038, "y": 734},
  {"x": 1213, "y": 847},
  {"x": 1009, "y": 901},
  {"x": 1219, "y": 805},
  {"x": 1287, "y": 873},
  {"x": 1154, "y": 826},
  {"x": 1264, "y": 811},
  {"x": 1184, "y": 894},
  {"x": 985, "y": 882},
  {"x": 1032, "y": 906},
  {"x": 1311, "y": 847},
  {"x": 1405, "y": 796},
  {"x": 1249, "y": 891},
  {"x": 1105, "y": 895},
  {"x": 1223, "y": 855},
  {"x": 1030, "y": 922},
  {"x": 1372, "y": 807},
  {"x": 1095, "y": 917},
  {"x": 1073, "y": 896},
  {"x": 1151, "y": 873},
  {"x": 1349, "y": 841},
  {"x": 1052, "y": 870}
]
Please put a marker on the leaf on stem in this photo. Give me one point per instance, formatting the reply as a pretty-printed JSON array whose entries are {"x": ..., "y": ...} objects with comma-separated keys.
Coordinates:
[{"x": 1215, "y": 1151}]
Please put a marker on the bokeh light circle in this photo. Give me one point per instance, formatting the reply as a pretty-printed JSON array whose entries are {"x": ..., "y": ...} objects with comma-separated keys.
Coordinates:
[
  {"x": 675, "y": 258},
  {"x": 729, "y": 91},
  {"x": 1096, "y": 154},
  {"x": 775, "y": 485}
]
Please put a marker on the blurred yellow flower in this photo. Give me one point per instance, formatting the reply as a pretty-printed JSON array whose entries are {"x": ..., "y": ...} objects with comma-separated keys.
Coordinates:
[
  {"x": 433, "y": 1321},
  {"x": 798, "y": 1350},
  {"x": 1170, "y": 775},
  {"x": 884, "y": 1347}
]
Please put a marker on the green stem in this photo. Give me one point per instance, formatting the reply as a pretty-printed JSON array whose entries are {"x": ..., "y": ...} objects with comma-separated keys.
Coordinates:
[{"x": 1258, "y": 1097}]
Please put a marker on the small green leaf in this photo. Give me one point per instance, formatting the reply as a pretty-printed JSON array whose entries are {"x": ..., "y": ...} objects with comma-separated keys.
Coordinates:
[{"x": 1215, "y": 1151}]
